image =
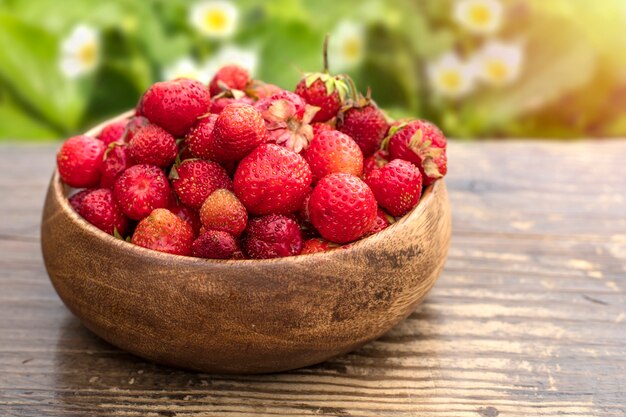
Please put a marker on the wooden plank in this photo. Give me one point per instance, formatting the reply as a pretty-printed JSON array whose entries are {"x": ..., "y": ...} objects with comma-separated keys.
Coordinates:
[{"x": 527, "y": 319}]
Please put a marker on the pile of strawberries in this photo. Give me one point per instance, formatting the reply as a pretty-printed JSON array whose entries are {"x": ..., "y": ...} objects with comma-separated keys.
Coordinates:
[{"x": 243, "y": 169}]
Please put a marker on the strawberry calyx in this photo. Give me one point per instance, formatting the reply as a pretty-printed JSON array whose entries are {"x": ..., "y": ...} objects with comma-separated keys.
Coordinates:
[
  {"x": 427, "y": 154},
  {"x": 392, "y": 131},
  {"x": 230, "y": 93},
  {"x": 291, "y": 131}
]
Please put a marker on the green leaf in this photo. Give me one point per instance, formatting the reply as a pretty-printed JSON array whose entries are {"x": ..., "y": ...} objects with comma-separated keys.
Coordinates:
[{"x": 17, "y": 123}]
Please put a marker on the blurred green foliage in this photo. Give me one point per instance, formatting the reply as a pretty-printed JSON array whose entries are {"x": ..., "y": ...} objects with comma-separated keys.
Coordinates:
[{"x": 572, "y": 81}]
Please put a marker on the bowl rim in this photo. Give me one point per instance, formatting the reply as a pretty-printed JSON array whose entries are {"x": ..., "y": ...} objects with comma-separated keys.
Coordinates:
[{"x": 61, "y": 195}]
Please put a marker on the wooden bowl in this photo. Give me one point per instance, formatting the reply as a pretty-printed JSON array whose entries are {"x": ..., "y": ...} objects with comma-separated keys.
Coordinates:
[{"x": 244, "y": 316}]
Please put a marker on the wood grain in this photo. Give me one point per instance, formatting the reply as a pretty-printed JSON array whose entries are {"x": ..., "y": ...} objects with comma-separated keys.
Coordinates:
[{"x": 527, "y": 319}]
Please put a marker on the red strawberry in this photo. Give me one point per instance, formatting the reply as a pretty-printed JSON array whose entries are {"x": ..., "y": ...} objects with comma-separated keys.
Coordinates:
[
  {"x": 303, "y": 211},
  {"x": 163, "y": 231},
  {"x": 333, "y": 151},
  {"x": 76, "y": 200},
  {"x": 324, "y": 91},
  {"x": 116, "y": 161},
  {"x": 321, "y": 127},
  {"x": 364, "y": 123},
  {"x": 175, "y": 105},
  {"x": 219, "y": 103},
  {"x": 113, "y": 132},
  {"x": 239, "y": 129},
  {"x": 222, "y": 210},
  {"x": 141, "y": 189},
  {"x": 188, "y": 215},
  {"x": 423, "y": 144},
  {"x": 199, "y": 140},
  {"x": 383, "y": 221},
  {"x": 133, "y": 126},
  {"x": 79, "y": 161},
  {"x": 378, "y": 159},
  {"x": 258, "y": 90},
  {"x": 316, "y": 244},
  {"x": 215, "y": 244},
  {"x": 99, "y": 208},
  {"x": 273, "y": 236},
  {"x": 229, "y": 77},
  {"x": 397, "y": 186},
  {"x": 342, "y": 208},
  {"x": 194, "y": 180},
  {"x": 152, "y": 145},
  {"x": 272, "y": 179}
]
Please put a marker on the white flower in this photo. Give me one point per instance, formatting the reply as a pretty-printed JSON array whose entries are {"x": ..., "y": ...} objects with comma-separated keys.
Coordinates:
[
  {"x": 499, "y": 63},
  {"x": 215, "y": 19},
  {"x": 346, "y": 46},
  {"x": 479, "y": 16},
  {"x": 80, "y": 52},
  {"x": 247, "y": 58},
  {"x": 186, "y": 68},
  {"x": 450, "y": 76}
]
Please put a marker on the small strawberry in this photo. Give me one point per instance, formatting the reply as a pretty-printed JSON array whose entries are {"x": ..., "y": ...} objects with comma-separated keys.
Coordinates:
[
  {"x": 397, "y": 186},
  {"x": 219, "y": 103},
  {"x": 222, "y": 210},
  {"x": 316, "y": 244},
  {"x": 324, "y": 91},
  {"x": 175, "y": 105},
  {"x": 363, "y": 121},
  {"x": 239, "y": 129},
  {"x": 116, "y": 161},
  {"x": 378, "y": 159},
  {"x": 199, "y": 140},
  {"x": 273, "y": 236},
  {"x": 141, "y": 189},
  {"x": 194, "y": 180},
  {"x": 76, "y": 200},
  {"x": 342, "y": 208},
  {"x": 152, "y": 145},
  {"x": 229, "y": 77},
  {"x": 188, "y": 215},
  {"x": 423, "y": 144},
  {"x": 133, "y": 126},
  {"x": 272, "y": 179},
  {"x": 113, "y": 132},
  {"x": 321, "y": 127},
  {"x": 163, "y": 231},
  {"x": 383, "y": 221},
  {"x": 79, "y": 161},
  {"x": 99, "y": 208},
  {"x": 215, "y": 244},
  {"x": 258, "y": 90},
  {"x": 331, "y": 152}
]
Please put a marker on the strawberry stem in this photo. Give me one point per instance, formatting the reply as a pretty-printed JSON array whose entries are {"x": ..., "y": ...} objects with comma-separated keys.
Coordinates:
[{"x": 325, "y": 53}]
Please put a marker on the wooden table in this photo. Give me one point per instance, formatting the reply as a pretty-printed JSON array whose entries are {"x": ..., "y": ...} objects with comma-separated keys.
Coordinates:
[{"x": 528, "y": 318}]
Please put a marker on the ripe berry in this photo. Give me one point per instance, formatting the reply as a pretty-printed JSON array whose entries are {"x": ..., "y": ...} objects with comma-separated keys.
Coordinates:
[
  {"x": 239, "y": 129},
  {"x": 273, "y": 236},
  {"x": 378, "y": 159},
  {"x": 76, "y": 200},
  {"x": 133, "y": 126},
  {"x": 152, "y": 145},
  {"x": 163, "y": 231},
  {"x": 331, "y": 152},
  {"x": 99, "y": 208},
  {"x": 272, "y": 179},
  {"x": 366, "y": 124},
  {"x": 113, "y": 132},
  {"x": 215, "y": 244},
  {"x": 382, "y": 221},
  {"x": 199, "y": 140},
  {"x": 321, "y": 127},
  {"x": 397, "y": 186},
  {"x": 116, "y": 161},
  {"x": 196, "y": 179},
  {"x": 259, "y": 90},
  {"x": 141, "y": 189},
  {"x": 222, "y": 210},
  {"x": 229, "y": 77},
  {"x": 79, "y": 161},
  {"x": 188, "y": 215},
  {"x": 342, "y": 208},
  {"x": 316, "y": 244},
  {"x": 175, "y": 105},
  {"x": 324, "y": 91}
]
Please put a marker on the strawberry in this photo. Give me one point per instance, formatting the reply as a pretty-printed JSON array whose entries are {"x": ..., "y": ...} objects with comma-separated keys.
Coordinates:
[
  {"x": 272, "y": 179},
  {"x": 239, "y": 129},
  {"x": 324, "y": 91},
  {"x": 423, "y": 144},
  {"x": 76, "y": 200},
  {"x": 378, "y": 159},
  {"x": 152, "y": 145},
  {"x": 188, "y": 215},
  {"x": 79, "y": 161},
  {"x": 382, "y": 221},
  {"x": 397, "y": 186},
  {"x": 321, "y": 127},
  {"x": 219, "y": 103},
  {"x": 194, "y": 180},
  {"x": 303, "y": 211},
  {"x": 215, "y": 244},
  {"x": 333, "y": 151},
  {"x": 133, "y": 126},
  {"x": 316, "y": 244},
  {"x": 99, "y": 208},
  {"x": 222, "y": 210},
  {"x": 175, "y": 105},
  {"x": 342, "y": 207},
  {"x": 116, "y": 161},
  {"x": 113, "y": 132},
  {"x": 272, "y": 236},
  {"x": 229, "y": 77},
  {"x": 199, "y": 140},
  {"x": 141, "y": 189},
  {"x": 258, "y": 90},
  {"x": 163, "y": 231},
  {"x": 363, "y": 121}
]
